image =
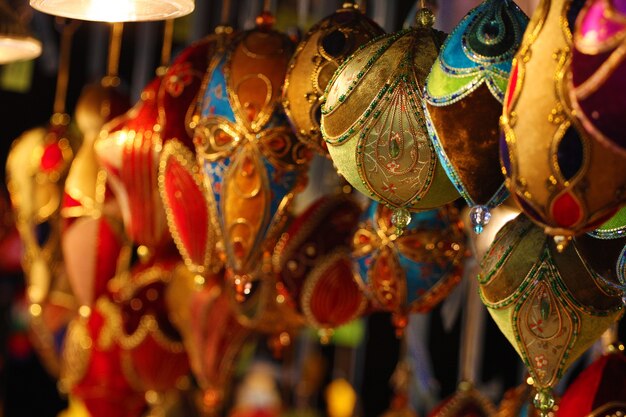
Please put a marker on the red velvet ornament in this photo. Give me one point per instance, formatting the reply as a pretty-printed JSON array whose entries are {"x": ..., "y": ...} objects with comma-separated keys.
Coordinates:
[{"x": 599, "y": 391}]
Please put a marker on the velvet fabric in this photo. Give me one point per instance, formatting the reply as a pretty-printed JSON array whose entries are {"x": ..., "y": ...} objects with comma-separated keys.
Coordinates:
[{"x": 547, "y": 303}]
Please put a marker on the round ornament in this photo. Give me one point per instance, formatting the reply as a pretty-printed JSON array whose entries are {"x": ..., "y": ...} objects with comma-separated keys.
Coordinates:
[
  {"x": 561, "y": 178},
  {"x": 549, "y": 304},
  {"x": 597, "y": 71},
  {"x": 414, "y": 271},
  {"x": 316, "y": 59},
  {"x": 463, "y": 102},
  {"x": 373, "y": 121}
]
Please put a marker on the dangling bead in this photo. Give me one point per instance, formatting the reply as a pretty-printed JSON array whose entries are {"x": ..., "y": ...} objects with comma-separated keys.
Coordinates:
[
  {"x": 562, "y": 242},
  {"x": 400, "y": 218},
  {"x": 544, "y": 401},
  {"x": 479, "y": 216}
]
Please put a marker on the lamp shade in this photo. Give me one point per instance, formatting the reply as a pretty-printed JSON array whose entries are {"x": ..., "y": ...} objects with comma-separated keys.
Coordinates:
[
  {"x": 16, "y": 42},
  {"x": 116, "y": 10}
]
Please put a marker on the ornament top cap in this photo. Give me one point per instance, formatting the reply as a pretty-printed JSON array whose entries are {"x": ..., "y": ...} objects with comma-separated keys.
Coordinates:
[{"x": 424, "y": 18}]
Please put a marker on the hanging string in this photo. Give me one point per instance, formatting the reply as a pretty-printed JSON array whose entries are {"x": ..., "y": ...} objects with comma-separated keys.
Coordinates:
[
  {"x": 67, "y": 32},
  {"x": 115, "y": 47},
  {"x": 225, "y": 17},
  {"x": 362, "y": 5},
  {"x": 267, "y": 5},
  {"x": 472, "y": 324},
  {"x": 168, "y": 36},
  {"x": 422, "y": 4}
]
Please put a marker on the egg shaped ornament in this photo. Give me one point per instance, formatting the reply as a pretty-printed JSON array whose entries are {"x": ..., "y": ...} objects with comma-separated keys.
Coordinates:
[
  {"x": 131, "y": 146},
  {"x": 153, "y": 355},
  {"x": 561, "y": 178},
  {"x": 36, "y": 169},
  {"x": 597, "y": 71},
  {"x": 91, "y": 232},
  {"x": 463, "y": 102},
  {"x": 91, "y": 370},
  {"x": 316, "y": 59},
  {"x": 250, "y": 158},
  {"x": 213, "y": 337},
  {"x": 550, "y": 305},
  {"x": 315, "y": 270},
  {"x": 374, "y": 125},
  {"x": 412, "y": 271}
]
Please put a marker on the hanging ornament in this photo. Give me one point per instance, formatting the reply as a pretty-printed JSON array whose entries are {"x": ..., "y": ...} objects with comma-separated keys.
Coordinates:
[
  {"x": 153, "y": 356},
  {"x": 597, "y": 68},
  {"x": 600, "y": 390},
  {"x": 251, "y": 160},
  {"x": 547, "y": 303},
  {"x": 471, "y": 72},
  {"x": 130, "y": 149},
  {"x": 37, "y": 167},
  {"x": 91, "y": 235},
  {"x": 373, "y": 121},
  {"x": 213, "y": 337},
  {"x": 315, "y": 270},
  {"x": 414, "y": 271},
  {"x": 562, "y": 179},
  {"x": 317, "y": 57},
  {"x": 92, "y": 368}
]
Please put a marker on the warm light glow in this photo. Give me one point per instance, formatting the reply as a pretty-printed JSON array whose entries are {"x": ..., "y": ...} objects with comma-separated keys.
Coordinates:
[
  {"x": 18, "y": 49},
  {"x": 115, "y": 10}
]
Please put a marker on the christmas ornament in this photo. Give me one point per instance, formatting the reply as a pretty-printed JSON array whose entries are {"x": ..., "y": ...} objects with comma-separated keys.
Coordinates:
[
  {"x": 251, "y": 160},
  {"x": 471, "y": 72},
  {"x": 547, "y": 303},
  {"x": 317, "y": 57},
  {"x": 91, "y": 235},
  {"x": 213, "y": 337},
  {"x": 600, "y": 390},
  {"x": 373, "y": 122},
  {"x": 563, "y": 180},
  {"x": 92, "y": 365},
  {"x": 597, "y": 71},
  {"x": 313, "y": 261},
  {"x": 130, "y": 150},
  {"x": 414, "y": 271},
  {"x": 153, "y": 356}
]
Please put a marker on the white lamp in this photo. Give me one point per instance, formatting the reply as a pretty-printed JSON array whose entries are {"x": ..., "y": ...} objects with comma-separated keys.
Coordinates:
[
  {"x": 115, "y": 10},
  {"x": 16, "y": 42}
]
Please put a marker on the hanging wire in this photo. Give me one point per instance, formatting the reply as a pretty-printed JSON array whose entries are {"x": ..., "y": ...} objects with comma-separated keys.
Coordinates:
[
  {"x": 115, "y": 47},
  {"x": 225, "y": 17},
  {"x": 168, "y": 36},
  {"x": 267, "y": 5},
  {"x": 67, "y": 32}
]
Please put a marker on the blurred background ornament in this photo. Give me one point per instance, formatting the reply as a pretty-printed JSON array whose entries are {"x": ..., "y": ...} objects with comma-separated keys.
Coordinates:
[
  {"x": 414, "y": 271},
  {"x": 91, "y": 231},
  {"x": 312, "y": 259},
  {"x": 373, "y": 122},
  {"x": 463, "y": 102},
  {"x": 251, "y": 160},
  {"x": 37, "y": 167},
  {"x": 561, "y": 179},
  {"x": 597, "y": 69},
  {"x": 325, "y": 46},
  {"x": 547, "y": 303}
]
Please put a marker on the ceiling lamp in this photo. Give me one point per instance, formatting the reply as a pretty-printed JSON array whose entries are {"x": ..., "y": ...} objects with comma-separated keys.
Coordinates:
[
  {"x": 115, "y": 10},
  {"x": 16, "y": 42}
]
